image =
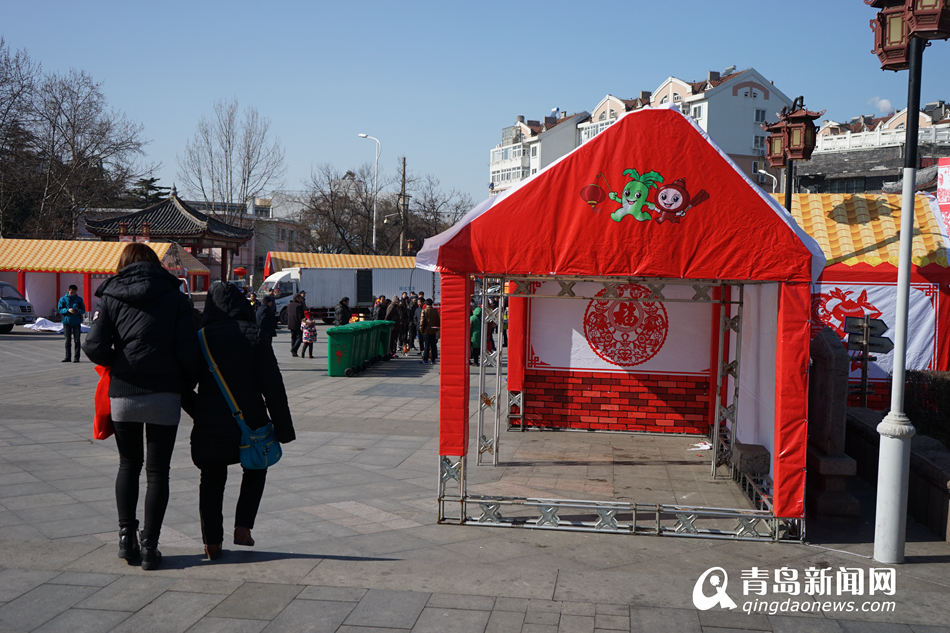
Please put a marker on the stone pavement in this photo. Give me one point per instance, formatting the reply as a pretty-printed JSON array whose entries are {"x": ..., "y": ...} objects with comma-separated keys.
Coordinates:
[{"x": 347, "y": 539}]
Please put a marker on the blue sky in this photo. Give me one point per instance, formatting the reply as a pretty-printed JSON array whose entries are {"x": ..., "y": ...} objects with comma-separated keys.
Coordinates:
[{"x": 436, "y": 81}]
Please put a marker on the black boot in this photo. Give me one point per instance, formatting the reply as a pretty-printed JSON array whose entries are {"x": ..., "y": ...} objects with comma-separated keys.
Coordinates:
[
  {"x": 151, "y": 557},
  {"x": 129, "y": 545}
]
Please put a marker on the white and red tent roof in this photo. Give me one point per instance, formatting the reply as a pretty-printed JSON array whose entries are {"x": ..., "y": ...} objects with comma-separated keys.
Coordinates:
[{"x": 560, "y": 220}]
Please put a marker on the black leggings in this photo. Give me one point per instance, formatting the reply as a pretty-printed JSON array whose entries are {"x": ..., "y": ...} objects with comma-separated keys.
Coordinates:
[
  {"x": 160, "y": 441},
  {"x": 211, "y": 500}
]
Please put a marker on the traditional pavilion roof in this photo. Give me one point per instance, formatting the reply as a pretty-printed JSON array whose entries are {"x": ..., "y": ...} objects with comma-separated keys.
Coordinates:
[
  {"x": 172, "y": 218},
  {"x": 84, "y": 256}
]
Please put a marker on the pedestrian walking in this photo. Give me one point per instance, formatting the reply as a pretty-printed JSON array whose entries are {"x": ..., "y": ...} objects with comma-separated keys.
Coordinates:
[
  {"x": 145, "y": 334},
  {"x": 341, "y": 314},
  {"x": 412, "y": 320},
  {"x": 72, "y": 308},
  {"x": 266, "y": 317},
  {"x": 249, "y": 368},
  {"x": 295, "y": 311},
  {"x": 252, "y": 300},
  {"x": 475, "y": 325},
  {"x": 396, "y": 314},
  {"x": 429, "y": 324},
  {"x": 417, "y": 315},
  {"x": 309, "y": 329}
]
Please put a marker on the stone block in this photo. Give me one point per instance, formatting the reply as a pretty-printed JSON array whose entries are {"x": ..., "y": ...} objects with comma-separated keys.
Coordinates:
[{"x": 751, "y": 459}]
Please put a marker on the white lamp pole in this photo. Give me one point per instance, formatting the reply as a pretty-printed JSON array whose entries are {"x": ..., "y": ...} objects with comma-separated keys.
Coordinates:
[
  {"x": 375, "y": 185},
  {"x": 774, "y": 179}
]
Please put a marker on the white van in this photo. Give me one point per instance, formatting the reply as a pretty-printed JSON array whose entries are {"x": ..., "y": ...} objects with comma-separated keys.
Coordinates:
[{"x": 14, "y": 308}]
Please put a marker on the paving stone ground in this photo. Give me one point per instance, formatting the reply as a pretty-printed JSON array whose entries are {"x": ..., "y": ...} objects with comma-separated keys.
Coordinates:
[{"x": 347, "y": 539}]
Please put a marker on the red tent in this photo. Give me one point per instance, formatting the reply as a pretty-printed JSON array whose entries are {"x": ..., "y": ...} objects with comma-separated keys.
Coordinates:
[{"x": 650, "y": 198}]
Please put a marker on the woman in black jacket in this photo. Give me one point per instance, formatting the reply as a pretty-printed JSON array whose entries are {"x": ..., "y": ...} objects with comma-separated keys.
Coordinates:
[
  {"x": 143, "y": 331},
  {"x": 249, "y": 368}
]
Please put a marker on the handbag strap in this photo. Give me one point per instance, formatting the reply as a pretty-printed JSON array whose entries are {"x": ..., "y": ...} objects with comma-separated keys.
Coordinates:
[{"x": 222, "y": 383}]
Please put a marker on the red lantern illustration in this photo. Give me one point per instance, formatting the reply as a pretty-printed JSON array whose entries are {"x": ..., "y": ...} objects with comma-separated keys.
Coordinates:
[{"x": 593, "y": 194}]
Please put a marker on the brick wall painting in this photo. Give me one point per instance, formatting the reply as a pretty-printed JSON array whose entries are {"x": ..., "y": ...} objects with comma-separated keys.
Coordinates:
[{"x": 618, "y": 365}]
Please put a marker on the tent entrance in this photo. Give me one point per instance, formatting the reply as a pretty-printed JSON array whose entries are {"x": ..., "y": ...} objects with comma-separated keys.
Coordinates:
[{"x": 504, "y": 402}]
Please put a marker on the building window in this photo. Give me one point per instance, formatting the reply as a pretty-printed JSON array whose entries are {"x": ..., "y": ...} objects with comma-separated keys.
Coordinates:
[
  {"x": 665, "y": 99},
  {"x": 676, "y": 96},
  {"x": 283, "y": 234},
  {"x": 759, "y": 115},
  {"x": 603, "y": 115},
  {"x": 613, "y": 113},
  {"x": 758, "y": 142},
  {"x": 697, "y": 112},
  {"x": 534, "y": 150}
]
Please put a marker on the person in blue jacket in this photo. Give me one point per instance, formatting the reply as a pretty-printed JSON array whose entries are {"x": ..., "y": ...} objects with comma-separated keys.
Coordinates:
[{"x": 72, "y": 308}]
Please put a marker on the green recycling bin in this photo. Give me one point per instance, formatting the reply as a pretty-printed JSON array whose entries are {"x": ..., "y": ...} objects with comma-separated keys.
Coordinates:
[
  {"x": 383, "y": 332},
  {"x": 341, "y": 350},
  {"x": 359, "y": 345}
]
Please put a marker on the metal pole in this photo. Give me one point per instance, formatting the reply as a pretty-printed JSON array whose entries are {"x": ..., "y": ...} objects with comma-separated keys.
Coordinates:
[
  {"x": 375, "y": 191},
  {"x": 402, "y": 211},
  {"x": 896, "y": 429},
  {"x": 789, "y": 166}
]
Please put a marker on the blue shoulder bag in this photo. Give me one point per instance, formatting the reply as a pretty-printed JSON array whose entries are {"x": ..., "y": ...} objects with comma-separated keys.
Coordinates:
[{"x": 259, "y": 447}]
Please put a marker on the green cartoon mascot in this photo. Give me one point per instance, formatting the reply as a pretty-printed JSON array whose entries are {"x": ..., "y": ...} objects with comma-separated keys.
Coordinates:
[{"x": 634, "y": 196}]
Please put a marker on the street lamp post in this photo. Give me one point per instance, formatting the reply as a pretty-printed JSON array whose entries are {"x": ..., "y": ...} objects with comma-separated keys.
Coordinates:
[
  {"x": 791, "y": 138},
  {"x": 375, "y": 184},
  {"x": 774, "y": 179},
  {"x": 901, "y": 30}
]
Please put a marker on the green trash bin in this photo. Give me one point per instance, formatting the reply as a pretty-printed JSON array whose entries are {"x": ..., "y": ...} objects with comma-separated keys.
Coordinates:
[
  {"x": 341, "y": 350},
  {"x": 364, "y": 346},
  {"x": 383, "y": 332}
]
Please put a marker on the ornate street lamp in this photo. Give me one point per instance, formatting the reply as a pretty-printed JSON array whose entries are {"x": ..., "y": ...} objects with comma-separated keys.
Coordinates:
[
  {"x": 901, "y": 30},
  {"x": 898, "y": 20},
  {"x": 790, "y": 138}
]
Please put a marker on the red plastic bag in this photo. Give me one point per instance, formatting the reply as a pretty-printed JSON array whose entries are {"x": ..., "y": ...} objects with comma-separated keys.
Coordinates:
[{"x": 102, "y": 423}]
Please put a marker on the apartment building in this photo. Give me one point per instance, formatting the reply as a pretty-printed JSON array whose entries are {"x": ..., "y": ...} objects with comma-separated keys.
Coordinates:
[
  {"x": 730, "y": 106},
  {"x": 866, "y": 153}
]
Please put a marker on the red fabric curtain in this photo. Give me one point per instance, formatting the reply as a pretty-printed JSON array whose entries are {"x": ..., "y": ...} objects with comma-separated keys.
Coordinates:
[
  {"x": 455, "y": 351},
  {"x": 791, "y": 400}
]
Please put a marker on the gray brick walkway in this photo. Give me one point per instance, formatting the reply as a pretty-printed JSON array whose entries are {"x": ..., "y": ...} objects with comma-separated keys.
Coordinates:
[{"x": 347, "y": 540}]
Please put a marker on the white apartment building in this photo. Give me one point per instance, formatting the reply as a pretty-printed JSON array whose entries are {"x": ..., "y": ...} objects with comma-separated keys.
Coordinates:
[{"x": 730, "y": 106}]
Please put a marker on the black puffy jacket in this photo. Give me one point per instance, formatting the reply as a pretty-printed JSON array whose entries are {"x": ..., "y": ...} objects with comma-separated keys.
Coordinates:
[
  {"x": 144, "y": 331},
  {"x": 251, "y": 372}
]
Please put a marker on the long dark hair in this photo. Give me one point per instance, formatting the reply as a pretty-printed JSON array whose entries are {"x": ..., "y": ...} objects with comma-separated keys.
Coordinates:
[{"x": 137, "y": 252}]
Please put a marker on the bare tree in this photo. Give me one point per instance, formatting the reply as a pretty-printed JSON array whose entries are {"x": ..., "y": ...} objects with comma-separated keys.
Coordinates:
[
  {"x": 339, "y": 211},
  {"x": 19, "y": 75},
  {"x": 87, "y": 153},
  {"x": 433, "y": 210},
  {"x": 231, "y": 158}
]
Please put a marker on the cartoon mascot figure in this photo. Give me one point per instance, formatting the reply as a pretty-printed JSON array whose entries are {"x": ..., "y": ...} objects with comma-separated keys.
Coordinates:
[
  {"x": 674, "y": 201},
  {"x": 634, "y": 195}
]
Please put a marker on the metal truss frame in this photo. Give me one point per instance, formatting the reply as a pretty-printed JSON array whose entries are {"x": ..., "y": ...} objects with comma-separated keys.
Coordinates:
[
  {"x": 496, "y": 403},
  {"x": 614, "y": 517}
]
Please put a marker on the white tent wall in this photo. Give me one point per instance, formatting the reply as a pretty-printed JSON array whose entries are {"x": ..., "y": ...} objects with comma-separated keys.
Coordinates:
[
  {"x": 41, "y": 293},
  {"x": 756, "y": 413}
]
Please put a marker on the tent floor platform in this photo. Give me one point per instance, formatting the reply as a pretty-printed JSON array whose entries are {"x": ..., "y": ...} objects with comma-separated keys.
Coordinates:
[
  {"x": 607, "y": 482},
  {"x": 627, "y": 467}
]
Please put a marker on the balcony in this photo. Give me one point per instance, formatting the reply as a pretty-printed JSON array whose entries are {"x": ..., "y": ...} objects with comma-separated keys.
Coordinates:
[
  {"x": 591, "y": 129},
  {"x": 878, "y": 138},
  {"x": 508, "y": 156}
]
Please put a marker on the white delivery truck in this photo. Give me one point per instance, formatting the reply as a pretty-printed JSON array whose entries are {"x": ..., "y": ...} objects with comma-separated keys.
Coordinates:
[{"x": 326, "y": 286}]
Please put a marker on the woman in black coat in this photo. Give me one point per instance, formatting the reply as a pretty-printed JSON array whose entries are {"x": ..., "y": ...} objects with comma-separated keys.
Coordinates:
[
  {"x": 250, "y": 370},
  {"x": 145, "y": 333}
]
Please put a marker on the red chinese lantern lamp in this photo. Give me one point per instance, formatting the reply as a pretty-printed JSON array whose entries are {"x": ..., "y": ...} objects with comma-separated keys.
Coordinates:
[
  {"x": 930, "y": 19},
  {"x": 240, "y": 271}
]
